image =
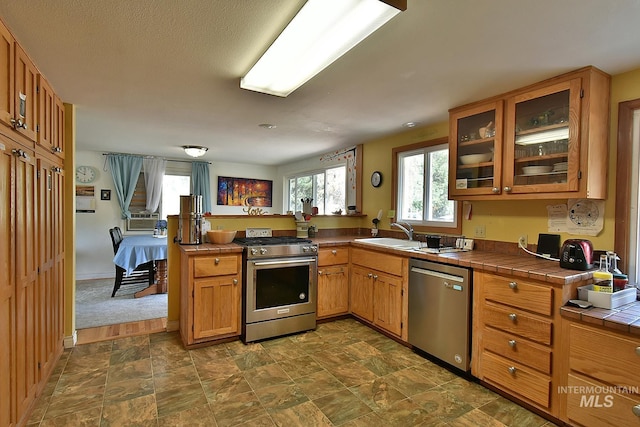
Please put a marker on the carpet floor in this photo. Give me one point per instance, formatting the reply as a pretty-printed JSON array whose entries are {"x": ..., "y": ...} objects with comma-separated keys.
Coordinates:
[{"x": 95, "y": 307}]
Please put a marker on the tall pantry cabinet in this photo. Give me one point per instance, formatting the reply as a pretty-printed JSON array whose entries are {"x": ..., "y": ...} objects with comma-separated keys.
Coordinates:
[{"x": 31, "y": 231}]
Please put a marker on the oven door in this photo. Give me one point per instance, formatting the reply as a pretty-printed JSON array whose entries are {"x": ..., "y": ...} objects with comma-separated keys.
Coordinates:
[{"x": 280, "y": 287}]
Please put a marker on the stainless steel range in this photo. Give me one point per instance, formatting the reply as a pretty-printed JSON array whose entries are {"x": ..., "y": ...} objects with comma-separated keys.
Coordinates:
[{"x": 279, "y": 285}]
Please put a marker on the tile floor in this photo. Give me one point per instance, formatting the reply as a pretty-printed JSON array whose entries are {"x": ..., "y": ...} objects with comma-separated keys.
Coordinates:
[{"x": 344, "y": 373}]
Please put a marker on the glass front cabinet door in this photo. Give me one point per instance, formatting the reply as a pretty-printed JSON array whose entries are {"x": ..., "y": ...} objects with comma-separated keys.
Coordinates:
[
  {"x": 475, "y": 159},
  {"x": 541, "y": 142}
]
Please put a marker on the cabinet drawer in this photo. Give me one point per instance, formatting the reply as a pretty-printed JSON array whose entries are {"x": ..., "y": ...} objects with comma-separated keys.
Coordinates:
[
  {"x": 519, "y": 293},
  {"x": 517, "y": 348},
  {"x": 518, "y": 322},
  {"x": 591, "y": 403},
  {"x": 215, "y": 265},
  {"x": 517, "y": 378},
  {"x": 333, "y": 256},
  {"x": 611, "y": 358},
  {"x": 390, "y": 264}
]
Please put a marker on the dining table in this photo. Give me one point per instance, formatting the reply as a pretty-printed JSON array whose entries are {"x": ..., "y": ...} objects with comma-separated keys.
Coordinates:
[{"x": 135, "y": 250}]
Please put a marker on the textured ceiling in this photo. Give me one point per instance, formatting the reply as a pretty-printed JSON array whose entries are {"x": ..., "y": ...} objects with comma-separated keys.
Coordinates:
[{"x": 148, "y": 76}]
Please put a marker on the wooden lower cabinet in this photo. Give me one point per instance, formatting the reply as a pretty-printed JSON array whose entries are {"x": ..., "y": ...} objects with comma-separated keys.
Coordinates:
[
  {"x": 602, "y": 378},
  {"x": 333, "y": 281},
  {"x": 210, "y": 297},
  {"x": 379, "y": 296},
  {"x": 516, "y": 339}
]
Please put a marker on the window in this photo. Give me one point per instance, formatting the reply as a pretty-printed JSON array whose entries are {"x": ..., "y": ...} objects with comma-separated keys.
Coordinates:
[
  {"x": 327, "y": 188},
  {"x": 627, "y": 224},
  {"x": 422, "y": 177},
  {"x": 173, "y": 186}
]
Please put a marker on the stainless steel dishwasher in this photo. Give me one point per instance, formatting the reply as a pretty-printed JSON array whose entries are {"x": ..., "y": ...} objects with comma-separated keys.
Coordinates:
[{"x": 440, "y": 311}]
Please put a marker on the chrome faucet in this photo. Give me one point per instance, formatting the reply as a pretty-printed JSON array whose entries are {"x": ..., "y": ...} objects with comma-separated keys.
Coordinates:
[{"x": 408, "y": 230}]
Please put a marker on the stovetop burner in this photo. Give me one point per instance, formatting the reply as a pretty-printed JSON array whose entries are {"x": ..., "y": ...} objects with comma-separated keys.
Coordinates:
[{"x": 263, "y": 241}]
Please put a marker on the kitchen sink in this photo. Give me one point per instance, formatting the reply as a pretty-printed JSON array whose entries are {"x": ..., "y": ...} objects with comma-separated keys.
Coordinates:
[{"x": 391, "y": 242}]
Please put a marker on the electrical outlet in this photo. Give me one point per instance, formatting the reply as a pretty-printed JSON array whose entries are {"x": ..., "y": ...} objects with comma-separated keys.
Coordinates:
[
  {"x": 523, "y": 240},
  {"x": 480, "y": 231},
  {"x": 468, "y": 244}
]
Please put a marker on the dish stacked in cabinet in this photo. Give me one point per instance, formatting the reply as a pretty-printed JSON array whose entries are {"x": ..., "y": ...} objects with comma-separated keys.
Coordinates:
[
  {"x": 333, "y": 281},
  {"x": 513, "y": 337}
]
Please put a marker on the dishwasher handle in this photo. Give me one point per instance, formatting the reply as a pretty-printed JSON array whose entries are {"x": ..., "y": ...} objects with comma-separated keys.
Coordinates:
[{"x": 437, "y": 274}]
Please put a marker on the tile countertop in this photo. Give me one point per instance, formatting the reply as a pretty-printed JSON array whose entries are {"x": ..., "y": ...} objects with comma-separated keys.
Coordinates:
[
  {"x": 525, "y": 266},
  {"x": 625, "y": 318}
]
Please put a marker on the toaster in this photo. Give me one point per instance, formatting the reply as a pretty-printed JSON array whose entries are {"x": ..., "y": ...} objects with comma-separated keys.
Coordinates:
[{"x": 576, "y": 254}]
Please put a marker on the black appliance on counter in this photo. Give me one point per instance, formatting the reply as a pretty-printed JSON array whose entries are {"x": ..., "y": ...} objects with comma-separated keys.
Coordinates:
[
  {"x": 576, "y": 254},
  {"x": 279, "y": 288}
]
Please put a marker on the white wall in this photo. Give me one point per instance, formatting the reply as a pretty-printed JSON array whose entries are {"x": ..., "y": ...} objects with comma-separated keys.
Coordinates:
[{"x": 94, "y": 252}]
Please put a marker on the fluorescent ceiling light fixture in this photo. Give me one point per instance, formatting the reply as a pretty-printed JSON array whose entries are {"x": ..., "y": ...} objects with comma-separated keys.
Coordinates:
[
  {"x": 543, "y": 136},
  {"x": 194, "y": 151},
  {"x": 320, "y": 33}
]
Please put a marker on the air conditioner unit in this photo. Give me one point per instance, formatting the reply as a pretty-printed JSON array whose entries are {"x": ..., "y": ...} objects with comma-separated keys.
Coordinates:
[{"x": 142, "y": 221}]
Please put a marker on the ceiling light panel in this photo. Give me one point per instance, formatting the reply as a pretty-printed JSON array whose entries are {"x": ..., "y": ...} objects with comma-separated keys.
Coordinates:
[{"x": 320, "y": 33}]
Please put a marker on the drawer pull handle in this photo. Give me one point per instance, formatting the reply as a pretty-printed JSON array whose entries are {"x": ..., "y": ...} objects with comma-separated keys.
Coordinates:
[
  {"x": 507, "y": 189},
  {"x": 370, "y": 275},
  {"x": 319, "y": 272},
  {"x": 217, "y": 261},
  {"x": 235, "y": 281},
  {"x": 375, "y": 277},
  {"x": 638, "y": 351},
  {"x": 513, "y": 285},
  {"x": 495, "y": 190},
  {"x": 512, "y": 370},
  {"x": 636, "y": 410},
  {"x": 513, "y": 317},
  {"x": 512, "y": 343},
  {"x": 334, "y": 252}
]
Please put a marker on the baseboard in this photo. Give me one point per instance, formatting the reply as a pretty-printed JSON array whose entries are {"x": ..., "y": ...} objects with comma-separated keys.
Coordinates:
[
  {"x": 173, "y": 325},
  {"x": 70, "y": 342}
]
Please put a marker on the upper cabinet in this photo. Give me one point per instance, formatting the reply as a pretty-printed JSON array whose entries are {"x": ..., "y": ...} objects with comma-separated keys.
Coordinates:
[
  {"x": 548, "y": 140},
  {"x": 28, "y": 104}
]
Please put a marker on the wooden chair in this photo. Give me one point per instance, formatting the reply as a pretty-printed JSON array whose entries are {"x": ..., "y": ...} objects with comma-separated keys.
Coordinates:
[{"x": 144, "y": 273}]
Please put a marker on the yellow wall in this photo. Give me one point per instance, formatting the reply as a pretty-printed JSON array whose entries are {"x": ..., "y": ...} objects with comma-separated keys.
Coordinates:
[{"x": 504, "y": 220}]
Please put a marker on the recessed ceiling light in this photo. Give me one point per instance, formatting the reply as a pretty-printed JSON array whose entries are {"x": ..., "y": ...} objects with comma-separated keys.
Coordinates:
[{"x": 267, "y": 125}]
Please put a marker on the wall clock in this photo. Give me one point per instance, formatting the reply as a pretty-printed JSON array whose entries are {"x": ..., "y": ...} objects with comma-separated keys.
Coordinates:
[
  {"x": 86, "y": 174},
  {"x": 376, "y": 179}
]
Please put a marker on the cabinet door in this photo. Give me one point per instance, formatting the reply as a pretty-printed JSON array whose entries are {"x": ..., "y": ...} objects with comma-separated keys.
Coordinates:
[
  {"x": 7, "y": 71},
  {"x": 216, "y": 302},
  {"x": 46, "y": 108},
  {"x": 58, "y": 142},
  {"x": 362, "y": 293},
  {"x": 26, "y": 280},
  {"x": 25, "y": 102},
  {"x": 475, "y": 150},
  {"x": 542, "y": 140},
  {"x": 7, "y": 289},
  {"x": 387, "y": 302},
  {"x": 333, "y": 291}
]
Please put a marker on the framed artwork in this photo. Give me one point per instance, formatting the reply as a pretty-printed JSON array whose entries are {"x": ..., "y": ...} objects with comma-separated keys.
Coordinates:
[
  {"x": 105, "y": 194},
  {"x": 244, "y": 192},
  {"x": 85, "y": 200}
]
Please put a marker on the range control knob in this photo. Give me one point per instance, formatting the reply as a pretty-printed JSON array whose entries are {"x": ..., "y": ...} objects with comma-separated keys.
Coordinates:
[
  {"x": 254, "y": 251},
  {"x": 263, "y": 251}
]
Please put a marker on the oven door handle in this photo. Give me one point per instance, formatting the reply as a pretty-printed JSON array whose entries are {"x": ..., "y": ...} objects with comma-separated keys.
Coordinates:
[{"x": 284, "y": 262}]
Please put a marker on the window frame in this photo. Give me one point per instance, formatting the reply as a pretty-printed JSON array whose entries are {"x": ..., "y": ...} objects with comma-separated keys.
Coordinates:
[
  {"x": 396, "y": 152},
  {"x": 624, "y": 167},
  {"x": 312, "y": 172}
]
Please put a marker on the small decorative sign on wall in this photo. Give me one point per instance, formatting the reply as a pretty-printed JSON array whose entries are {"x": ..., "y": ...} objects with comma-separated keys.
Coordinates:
[
  {"x": 244, "y": 192},
  {"x": 85, "y": 199},
  {"x": 105, "y": 194}
]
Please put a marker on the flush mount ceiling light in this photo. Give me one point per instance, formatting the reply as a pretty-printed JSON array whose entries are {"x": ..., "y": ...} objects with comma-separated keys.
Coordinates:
[
  {"x": 194, "y": 150},
  {"x": 320, "y": 33}
]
